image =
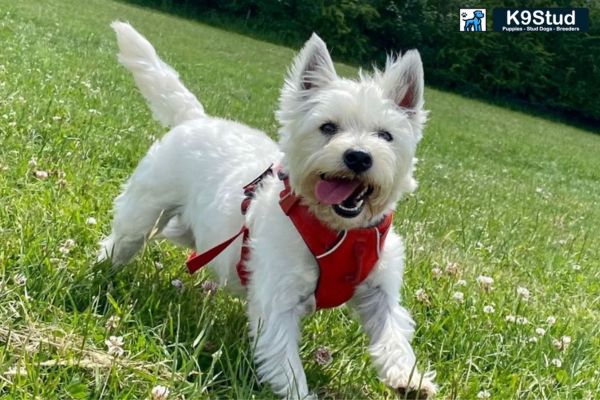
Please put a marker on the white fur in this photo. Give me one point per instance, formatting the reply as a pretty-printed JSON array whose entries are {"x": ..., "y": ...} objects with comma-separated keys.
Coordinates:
[{"x": 188, "y": 189}]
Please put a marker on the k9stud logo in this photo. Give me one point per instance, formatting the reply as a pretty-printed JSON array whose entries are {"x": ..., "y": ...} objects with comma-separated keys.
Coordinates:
[
  {"x": 472, "y": 19},
  {"x": 541, "y": 20}
]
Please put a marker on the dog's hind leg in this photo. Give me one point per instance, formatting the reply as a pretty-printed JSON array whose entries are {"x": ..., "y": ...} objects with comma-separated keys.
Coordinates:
[
  {"x": 177, "y": 232},
  {"x": 139, "y": 215}
]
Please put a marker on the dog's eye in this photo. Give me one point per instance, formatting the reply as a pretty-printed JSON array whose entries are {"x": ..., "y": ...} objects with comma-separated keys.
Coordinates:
[
  {"x": 385, "y": 135},
  {"x": 328, "y": 128}
]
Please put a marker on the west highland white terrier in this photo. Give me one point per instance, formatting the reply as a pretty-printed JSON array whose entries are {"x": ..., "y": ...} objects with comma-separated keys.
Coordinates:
[{"x": 344, "y": 159}]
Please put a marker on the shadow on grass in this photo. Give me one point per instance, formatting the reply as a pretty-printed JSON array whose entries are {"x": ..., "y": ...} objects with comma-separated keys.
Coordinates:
[
  {"x": 201, "y": 322},
  {"x": 198, "y": 321},
  {"x": 256, "y": 29}
]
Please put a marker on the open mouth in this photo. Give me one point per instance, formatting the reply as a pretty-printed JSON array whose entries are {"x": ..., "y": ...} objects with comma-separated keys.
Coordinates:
[{"x": 346, "y": 196}]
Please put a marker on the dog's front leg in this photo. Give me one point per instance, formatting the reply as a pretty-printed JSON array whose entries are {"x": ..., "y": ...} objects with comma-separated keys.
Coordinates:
[
  {"x": 390, "y": 330},
  {"x": 276, "y": 335}
]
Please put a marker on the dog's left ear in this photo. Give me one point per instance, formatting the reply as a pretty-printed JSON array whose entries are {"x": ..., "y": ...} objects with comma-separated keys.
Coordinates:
[
  {"x": 312, "y": 68},
  {"x": 402, "y": 81}
]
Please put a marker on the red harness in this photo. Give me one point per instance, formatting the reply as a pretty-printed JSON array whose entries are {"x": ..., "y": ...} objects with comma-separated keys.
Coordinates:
[{"x": 345, "y": 258}]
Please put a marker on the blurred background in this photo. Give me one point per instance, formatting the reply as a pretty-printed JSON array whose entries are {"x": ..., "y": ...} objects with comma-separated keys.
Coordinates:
[{"x": 556, "y": 73}]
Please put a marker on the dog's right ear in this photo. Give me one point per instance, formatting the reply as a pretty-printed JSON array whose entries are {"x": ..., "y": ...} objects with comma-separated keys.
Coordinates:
[{"x": 312, "y": 68}]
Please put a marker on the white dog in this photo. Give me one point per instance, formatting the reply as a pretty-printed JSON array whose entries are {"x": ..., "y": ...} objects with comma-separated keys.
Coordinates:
[{"x": 347, "y": 150}]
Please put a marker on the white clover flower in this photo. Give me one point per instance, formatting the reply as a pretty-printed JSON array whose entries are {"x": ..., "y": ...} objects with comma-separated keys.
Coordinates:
[
  {"x": 158, "y": 265},
  {"x": 66, "y": 247},
  {"x": 522, "y": 321},
  {"x": 556, "y": 362},
  {"x": 540, "y": 331},
  {"x": 436, "y": 272},
  {"x": 422, "y": 296},
  {"x": 177, "y": 284},
  {"x": 562, "y": 344},
  {"x": 115, "y": 346},
  {"x": 485, "y": 282},
  {"x": 113, "y": 322},
  {"x": 459, "y": 297},
  {"x": 489, "y": 309},
  {"x": 159, "y": 393},
  {"x": 19, "y": 279},
  {"x": 523, "y": 292},
  {"x": 551, "y": 320},
  {"x": 483, "y": 394},
  {"x": 32, "y": 163},
  {"x": 41, "y": 175},
  {"x": 510, "y": 318},
  {"x": 91, "y": 221},
  {"x": 452, "y": 268},
  {"x": 557, "y": 344},
  {"x": 533, "y": 339},
  {"x": 323, "y": 355},
  {"x": 461, "y": 282},
  {"x": 209, "y": 287}
]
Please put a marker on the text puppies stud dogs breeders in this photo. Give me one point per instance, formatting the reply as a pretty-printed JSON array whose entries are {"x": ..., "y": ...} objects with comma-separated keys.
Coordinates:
[{"x": 344, "y": 159}]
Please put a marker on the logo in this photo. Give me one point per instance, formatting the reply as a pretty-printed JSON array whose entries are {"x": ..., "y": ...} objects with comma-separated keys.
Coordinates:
[
  {"x": 541, "y": 19},
  {"x": 472, "y": 19}
]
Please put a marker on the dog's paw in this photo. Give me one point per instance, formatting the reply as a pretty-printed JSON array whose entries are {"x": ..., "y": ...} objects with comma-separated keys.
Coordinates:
[
  {"x": 419, "y": 389},
  {"x": 414, "y": 394},
  {"x": 310, "y": 396}
]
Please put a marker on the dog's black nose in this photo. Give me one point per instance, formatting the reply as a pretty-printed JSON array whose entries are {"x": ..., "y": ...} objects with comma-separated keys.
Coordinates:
[{"x": 358, "y": 160}]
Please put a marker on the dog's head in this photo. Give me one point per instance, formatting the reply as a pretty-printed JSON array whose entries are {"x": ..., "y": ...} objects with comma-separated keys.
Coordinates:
[
  {"x": 349, "y": 145},
  {"x": 478, "y": 14}
]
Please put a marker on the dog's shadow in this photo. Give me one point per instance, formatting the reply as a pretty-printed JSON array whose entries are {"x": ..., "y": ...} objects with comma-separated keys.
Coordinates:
[{"x": 176, "y": 308}]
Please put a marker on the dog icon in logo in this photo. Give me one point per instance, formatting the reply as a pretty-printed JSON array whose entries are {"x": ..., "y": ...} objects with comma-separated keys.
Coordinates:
[{"x": 473, "y": 24}]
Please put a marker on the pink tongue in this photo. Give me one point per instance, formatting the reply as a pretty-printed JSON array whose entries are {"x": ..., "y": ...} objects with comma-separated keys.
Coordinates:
[{"x": 334, "y": 191}]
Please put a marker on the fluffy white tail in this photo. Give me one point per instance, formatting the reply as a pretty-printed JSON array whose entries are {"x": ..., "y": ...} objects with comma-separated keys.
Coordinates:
[{"x": 170, "y": 101}]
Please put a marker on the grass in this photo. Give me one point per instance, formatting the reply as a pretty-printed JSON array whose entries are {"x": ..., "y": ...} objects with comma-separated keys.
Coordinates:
[{"x": 502, "y": 194}]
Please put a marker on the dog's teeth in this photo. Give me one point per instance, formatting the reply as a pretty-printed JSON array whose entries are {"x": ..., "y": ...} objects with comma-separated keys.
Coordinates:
[
  {"x": 353, "y": 209},
  {"x": 359, "y": 203},
  {"x": 361, "y": 195}
]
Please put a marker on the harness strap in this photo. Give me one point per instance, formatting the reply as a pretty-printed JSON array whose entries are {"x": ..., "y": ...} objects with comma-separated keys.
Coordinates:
[{"x": 197, "y": 261}]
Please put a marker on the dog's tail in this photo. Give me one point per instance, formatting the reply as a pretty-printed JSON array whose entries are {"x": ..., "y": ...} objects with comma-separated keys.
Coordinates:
[{"x": 170, "y": 101}]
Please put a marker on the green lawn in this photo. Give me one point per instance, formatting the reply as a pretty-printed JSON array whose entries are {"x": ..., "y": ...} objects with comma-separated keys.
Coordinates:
[{"x": 502, "y": 194}]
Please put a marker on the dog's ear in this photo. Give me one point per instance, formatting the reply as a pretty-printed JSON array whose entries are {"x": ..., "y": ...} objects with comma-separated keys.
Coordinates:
[
  {"x": 402, "y": 81},
  {"x": 312, "y": 69}
]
